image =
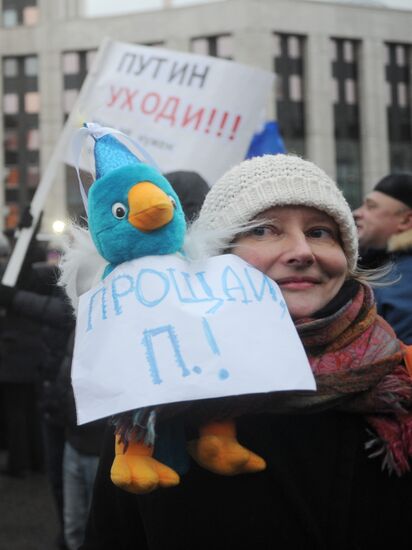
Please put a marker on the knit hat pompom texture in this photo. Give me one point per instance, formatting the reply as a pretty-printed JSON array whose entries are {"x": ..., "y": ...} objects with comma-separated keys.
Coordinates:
[{"x": 277, "y": 180}]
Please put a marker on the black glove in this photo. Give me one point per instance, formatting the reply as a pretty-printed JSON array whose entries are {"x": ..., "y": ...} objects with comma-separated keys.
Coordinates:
[
  {"x": 7, "y": 294},
  {"x": 26, "y": 219}
]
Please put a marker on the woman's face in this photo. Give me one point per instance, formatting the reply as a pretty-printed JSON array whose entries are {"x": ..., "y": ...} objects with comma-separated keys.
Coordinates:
[{"x": 299, "y": 248}]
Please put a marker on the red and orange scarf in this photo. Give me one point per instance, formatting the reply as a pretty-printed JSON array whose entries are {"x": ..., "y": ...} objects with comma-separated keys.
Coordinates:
[{"x": 359, "y": 366}]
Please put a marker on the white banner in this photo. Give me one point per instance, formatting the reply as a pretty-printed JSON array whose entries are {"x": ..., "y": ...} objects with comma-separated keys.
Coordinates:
[
  {"x": 161, "y": 330},
  {"x": 190, "y": 112}
]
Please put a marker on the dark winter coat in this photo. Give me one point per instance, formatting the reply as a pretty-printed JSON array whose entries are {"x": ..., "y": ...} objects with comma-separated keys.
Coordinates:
[
  {"x": 21, "y": 350},
  {"x": 320, "y": 492},
  {"x": 36, "y": 328},
  {"x": 395, "y": 301},
  {"x": 87, "y": 438}
]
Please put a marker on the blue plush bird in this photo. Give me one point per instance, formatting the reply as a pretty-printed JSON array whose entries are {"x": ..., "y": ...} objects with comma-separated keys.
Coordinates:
[{"x": 133, "y": 211}]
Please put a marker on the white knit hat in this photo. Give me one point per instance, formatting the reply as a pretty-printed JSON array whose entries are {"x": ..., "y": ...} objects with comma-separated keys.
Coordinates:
[{"x": 277, "y": 180}]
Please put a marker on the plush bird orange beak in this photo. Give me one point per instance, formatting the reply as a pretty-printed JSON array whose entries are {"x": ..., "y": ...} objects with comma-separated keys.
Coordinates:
[{"x": 149, "y": 207}]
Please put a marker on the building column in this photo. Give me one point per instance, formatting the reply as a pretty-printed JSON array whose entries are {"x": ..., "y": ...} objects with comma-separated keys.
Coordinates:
[
  {"x": 51, "y": 124},
  {"x": 320, "y": 140},
  {"x": 257, "y": 48},
  {"x": 373, "y": 113}
]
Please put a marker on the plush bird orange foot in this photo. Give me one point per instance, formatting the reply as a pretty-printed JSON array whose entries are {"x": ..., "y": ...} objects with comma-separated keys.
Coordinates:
[
  {"x": 136, "y": 471},
  {"x": 218, "y": 451}
]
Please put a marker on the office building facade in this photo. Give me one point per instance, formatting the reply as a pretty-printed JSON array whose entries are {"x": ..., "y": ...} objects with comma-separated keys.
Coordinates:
[{"x": 342, "y": 95}]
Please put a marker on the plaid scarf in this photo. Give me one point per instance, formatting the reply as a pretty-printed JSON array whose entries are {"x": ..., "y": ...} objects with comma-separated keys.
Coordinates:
[{"x": 359, "y": 367}]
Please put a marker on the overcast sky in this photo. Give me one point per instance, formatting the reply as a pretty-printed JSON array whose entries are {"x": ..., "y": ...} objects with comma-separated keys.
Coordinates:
[
  {"x": 103, "y": 7},
  {"x": 109, "y": 7}
]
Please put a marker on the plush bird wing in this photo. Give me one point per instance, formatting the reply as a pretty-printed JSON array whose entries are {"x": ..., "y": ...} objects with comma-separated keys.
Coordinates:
[{"x": 82, "y": 266}]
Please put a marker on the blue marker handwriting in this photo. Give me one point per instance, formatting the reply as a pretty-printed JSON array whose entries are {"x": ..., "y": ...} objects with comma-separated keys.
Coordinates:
[
  {"x": 150, "y": 345},
  {"x": 149, "y": 288}
]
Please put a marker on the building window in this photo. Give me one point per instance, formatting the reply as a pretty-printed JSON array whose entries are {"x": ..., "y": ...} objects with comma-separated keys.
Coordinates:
[
  {"x": 10, "y": 104},
  {"x": 32, "y": 102},
  {"x": 11, "y": 141},
  {"x": 33, "y": 176},
  {"x": 13, "y": 215},
  {"x": 10, "y": 68},
  {"x": 21, "y": 103},
  {"x": 33, "y": 140},
  {"x": 10, "y": 18},
  {"x": 30, "y": 16},
  {"x": 346, "y": 118},
  {"x": 397, "y": 73},
  {"x": 217, "y": 46},
  {"x": 288, "y": 65},
  {"x": 71, "y": 63},
  {"x": 20, "y": 12},
  {"x": 30, "y": 66}
]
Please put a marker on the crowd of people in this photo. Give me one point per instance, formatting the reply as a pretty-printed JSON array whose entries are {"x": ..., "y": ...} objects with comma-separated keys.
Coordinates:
[
  {"x": 337, "y": 460},
  {"x": 36, "y": 394}
]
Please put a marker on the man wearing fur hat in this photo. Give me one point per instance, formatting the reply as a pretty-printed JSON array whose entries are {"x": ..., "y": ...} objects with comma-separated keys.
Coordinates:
[{"x": 384, "y": 223}]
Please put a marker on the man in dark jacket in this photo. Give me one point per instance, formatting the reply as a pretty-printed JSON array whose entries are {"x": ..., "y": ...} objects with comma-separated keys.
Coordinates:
[{"x": 384, "y": 223}]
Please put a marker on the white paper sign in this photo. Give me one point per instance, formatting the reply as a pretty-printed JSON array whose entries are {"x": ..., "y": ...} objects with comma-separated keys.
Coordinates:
[
  {"x": 190, "y": 112},
  {"x": 161, "y": 330}
]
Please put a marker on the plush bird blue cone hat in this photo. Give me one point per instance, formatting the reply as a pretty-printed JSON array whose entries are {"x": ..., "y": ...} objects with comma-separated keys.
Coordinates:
[
  {"x": 110, "y": 153},
  {"x": 133, "y": 210}
]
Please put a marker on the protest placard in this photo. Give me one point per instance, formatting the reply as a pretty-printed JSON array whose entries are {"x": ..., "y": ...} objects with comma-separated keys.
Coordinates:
[
  {"x": 190, "y": 112},
  {"x": 161, "y": 330}
]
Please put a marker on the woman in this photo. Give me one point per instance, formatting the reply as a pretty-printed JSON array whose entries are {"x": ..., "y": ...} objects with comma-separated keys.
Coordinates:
[{"x": 321, "y": 488}]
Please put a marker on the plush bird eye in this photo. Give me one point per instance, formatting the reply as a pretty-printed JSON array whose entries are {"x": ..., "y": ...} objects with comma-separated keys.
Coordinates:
[
  {"x": 119, "y": 210},
  {"x": 172, "y": 200}
]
